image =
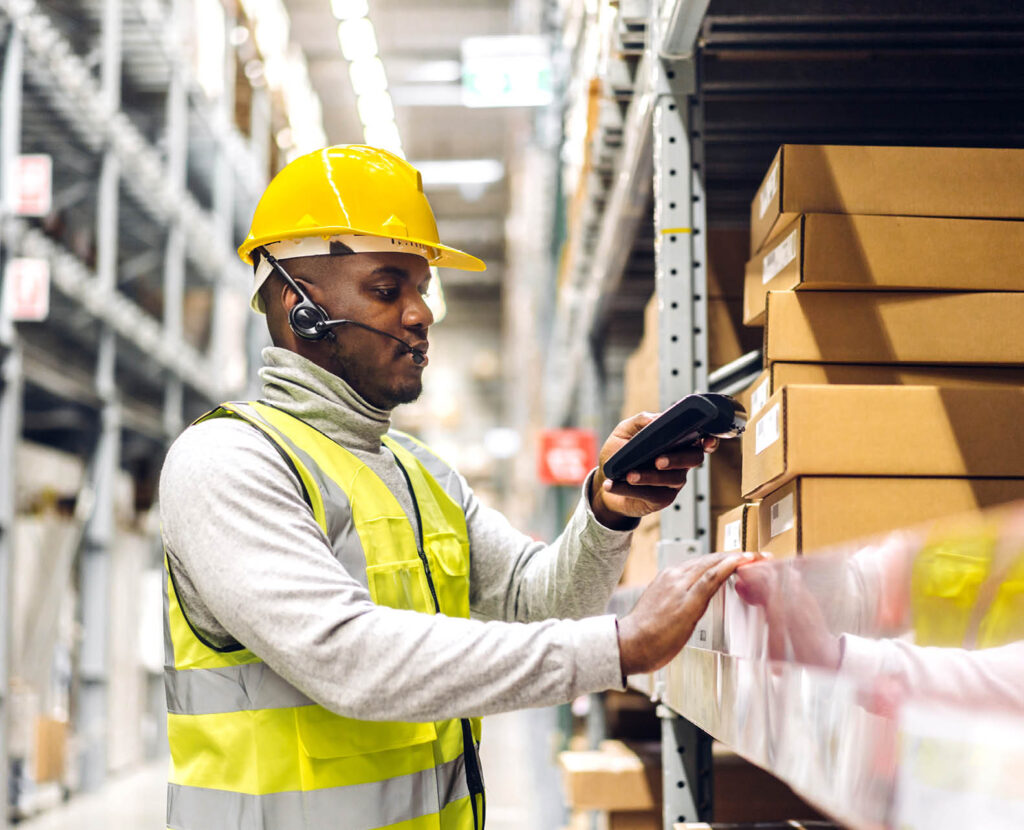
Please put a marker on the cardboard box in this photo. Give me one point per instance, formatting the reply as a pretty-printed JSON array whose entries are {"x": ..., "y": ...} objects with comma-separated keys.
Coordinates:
[
  {"x": 728, "y": 338},
  {"x": 777, "y": 375},
  {"x": 737, "y": 529},
  {"x": 978, "y": 328},
  {"x": 726, "y": 259},
  {"x": 811, "y": 513},
  {"x": 869, "y": 253},
  {"x": 724, "y": 469},
  {"x": 884, "y": 431},
  {"x": 642, "y": 562},
  {"x": 618, "y": 776},
  {"x": 635, "y": 820},
  {"x": 973, "y": 182},
  {"x": 51, "y": 747}
]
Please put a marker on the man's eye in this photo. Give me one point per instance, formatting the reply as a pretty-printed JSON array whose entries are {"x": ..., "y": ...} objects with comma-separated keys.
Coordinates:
[{"x": 387, "y": 293}]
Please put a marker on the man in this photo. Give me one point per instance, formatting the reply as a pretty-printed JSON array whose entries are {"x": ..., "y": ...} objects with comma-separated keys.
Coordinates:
[{"x": 322, "y": 669}]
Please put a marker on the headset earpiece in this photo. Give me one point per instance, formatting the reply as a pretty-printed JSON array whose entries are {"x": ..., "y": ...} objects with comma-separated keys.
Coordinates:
[{"x": 306, "y": 319}]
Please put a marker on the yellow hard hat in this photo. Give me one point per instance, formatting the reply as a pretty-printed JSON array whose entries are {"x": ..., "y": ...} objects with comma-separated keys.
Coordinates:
[{"x": 351, "y": 190}]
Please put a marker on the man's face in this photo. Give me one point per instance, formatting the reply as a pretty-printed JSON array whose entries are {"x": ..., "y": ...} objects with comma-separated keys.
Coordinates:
[{"x": 381, "y": 290}]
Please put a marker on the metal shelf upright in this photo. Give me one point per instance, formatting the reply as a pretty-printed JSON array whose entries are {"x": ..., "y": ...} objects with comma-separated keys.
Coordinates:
[{"x": 137, "y": 220}]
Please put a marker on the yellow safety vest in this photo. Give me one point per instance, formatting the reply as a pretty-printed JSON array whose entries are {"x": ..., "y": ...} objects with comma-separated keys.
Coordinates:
[
  {"x": 249, "y": 751},
  {"x": 966, "y": 592}
]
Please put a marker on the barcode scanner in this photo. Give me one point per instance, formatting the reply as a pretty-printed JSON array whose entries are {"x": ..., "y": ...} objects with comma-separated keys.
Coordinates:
[{"x": 685, "y": 423}]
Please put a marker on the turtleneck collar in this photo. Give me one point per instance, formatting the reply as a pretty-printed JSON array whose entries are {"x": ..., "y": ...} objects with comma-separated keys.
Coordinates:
[{"x": 324, "y": 401}]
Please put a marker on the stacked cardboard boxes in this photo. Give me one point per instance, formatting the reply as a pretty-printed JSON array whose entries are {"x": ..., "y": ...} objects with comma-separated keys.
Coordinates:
[{"x": 887, "y": 284}]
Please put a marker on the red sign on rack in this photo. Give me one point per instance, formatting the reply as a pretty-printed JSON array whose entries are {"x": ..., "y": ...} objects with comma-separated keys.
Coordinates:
[
  {"x": 27, "y": 290},
  {"x": 566, "y": 455},
  {"x": 32, "y": 185}
]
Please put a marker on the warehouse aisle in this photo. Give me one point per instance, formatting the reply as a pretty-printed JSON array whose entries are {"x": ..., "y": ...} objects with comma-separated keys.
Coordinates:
[{"x": 522, "y": 782}]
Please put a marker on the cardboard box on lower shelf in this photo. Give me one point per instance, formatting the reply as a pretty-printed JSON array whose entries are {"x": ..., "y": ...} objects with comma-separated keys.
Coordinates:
[
  {"x": 779, "y": 374},
  {"x": 737, "y": 529},
  {"x": 968, "y": 328},
  {"x": 912, "y": 431},
  {"x": 50, "y": 749},
  {"x": 812, "y": 512},
  {"x": 618, "y": 776}
]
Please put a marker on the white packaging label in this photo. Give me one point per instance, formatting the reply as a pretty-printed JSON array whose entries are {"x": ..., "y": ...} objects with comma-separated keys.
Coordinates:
[
  {"x": 779, "y": 258},
  {"x": 771, "y": 187},
  {"x": 766, "y": 432},
  {"x": 759, "y": 397},
  {"x": 781, "y": 516},
  {"x": 733, "y": 536}
]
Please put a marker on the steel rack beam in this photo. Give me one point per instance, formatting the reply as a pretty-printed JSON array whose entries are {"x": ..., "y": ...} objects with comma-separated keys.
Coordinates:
[
  {"x": 578, "y": 316},
  {"x": 76, "y": 94},
  {"x": 75, "y": 281},
  {"x": 11, "y": 376}
]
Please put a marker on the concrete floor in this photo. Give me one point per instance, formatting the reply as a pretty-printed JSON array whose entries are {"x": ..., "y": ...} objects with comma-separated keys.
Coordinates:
[{"x": 523, "y": 785}]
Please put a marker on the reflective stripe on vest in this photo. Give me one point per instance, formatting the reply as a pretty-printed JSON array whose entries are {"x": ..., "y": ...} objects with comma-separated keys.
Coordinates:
[{"x": 253, "y": 751}]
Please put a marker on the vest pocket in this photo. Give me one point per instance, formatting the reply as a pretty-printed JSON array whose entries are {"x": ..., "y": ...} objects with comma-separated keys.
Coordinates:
[
  {"x": 449, "y": 560},
  {"x": 324, "y": 734},
  {"x": 400, "y": 585}
]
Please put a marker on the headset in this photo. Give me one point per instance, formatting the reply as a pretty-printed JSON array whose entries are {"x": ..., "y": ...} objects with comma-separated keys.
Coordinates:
[{"x": 311, "y": 321}]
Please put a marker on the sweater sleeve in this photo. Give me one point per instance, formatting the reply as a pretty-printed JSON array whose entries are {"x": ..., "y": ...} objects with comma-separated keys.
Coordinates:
[
  {"x": 253, "y": 566},
  {"x": 514, "y": 577}
]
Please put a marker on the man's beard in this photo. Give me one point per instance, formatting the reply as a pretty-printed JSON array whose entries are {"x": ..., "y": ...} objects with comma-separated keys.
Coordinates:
[{"x": 363, "y": 384}]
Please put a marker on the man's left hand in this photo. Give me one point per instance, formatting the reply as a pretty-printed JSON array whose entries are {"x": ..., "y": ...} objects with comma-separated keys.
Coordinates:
[{"x": 647, "y": 489}]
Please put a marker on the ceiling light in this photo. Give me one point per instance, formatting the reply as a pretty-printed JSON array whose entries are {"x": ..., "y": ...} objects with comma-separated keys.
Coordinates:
[
  {"x": 349, "y": 9},
  {"x": 375, "y": 108},
  {"x": 461, "y": 171},
  {"x": 357, "y": 39},
  {"x": 384, "y": 135},
  {"x": 368, "y": 76}
]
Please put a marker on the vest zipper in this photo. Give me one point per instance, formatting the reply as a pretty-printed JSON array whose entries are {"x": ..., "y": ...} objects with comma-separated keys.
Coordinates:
[{"x": 474, "y": 775}]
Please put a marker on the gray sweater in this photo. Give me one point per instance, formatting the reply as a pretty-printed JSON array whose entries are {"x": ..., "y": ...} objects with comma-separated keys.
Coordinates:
[{"x": 251, "y": 565}]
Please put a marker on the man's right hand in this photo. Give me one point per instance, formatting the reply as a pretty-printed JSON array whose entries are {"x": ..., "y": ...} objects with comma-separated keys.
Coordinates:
[{"x": 659, "y": 626}]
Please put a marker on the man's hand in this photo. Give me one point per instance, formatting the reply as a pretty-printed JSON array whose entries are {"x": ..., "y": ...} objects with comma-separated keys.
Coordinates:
[
  {"x": 667, "y": 612},
  {"x": 616, "y": 503}
]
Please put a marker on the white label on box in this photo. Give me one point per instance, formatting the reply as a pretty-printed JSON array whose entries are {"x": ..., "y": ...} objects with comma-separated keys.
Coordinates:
[
  {"x": 779, "y": 258},
  {"x": 781, "y": 516},
  {"x": 766, "y": 432},
  {"x": 733, "y": 536},
  {"x": 759, "y": 397},
  {"x": 771, "y": 187}
]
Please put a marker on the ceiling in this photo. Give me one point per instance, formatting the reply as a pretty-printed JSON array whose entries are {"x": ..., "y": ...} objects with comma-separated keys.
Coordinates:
[{"x": 420, "y": 45}]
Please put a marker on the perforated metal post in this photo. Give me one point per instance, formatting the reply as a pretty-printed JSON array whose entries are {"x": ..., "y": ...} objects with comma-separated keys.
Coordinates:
[
  {"x": 10, "y": 397},
  {"x": 94, "y": 564},
  {"x": 174, "y": 253},
  {"x": 686, "y": 770},
  {"x": 681, "y": 284}
]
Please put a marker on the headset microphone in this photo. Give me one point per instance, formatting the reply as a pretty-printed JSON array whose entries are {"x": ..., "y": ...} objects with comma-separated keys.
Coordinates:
[
  {"x": 309, "y": 320},
  {"x": 418, "y": 357}
]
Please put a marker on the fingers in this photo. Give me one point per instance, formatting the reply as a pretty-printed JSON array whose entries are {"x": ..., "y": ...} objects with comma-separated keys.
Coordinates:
[
  {"x": 631, "y": 426},
  {"x": 654, "y": 478}
]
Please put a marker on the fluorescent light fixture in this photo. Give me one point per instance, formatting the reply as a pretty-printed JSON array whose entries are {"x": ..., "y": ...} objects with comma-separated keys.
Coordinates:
[
  {"x": 460, "y": 172},
  {"x": 357, "y": 39},
  {"x": 384, "y": 135},
  {"x": 432, "y": 72},
  {"x": 349, "y": 9},
  {"x": 375, "y": 108},
  {"x": 506, "y": 71},
  {"x": 368, "y": 76}
]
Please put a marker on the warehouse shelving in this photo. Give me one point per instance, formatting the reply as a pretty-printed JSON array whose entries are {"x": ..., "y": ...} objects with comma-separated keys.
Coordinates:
[
  {"x": 721, "y": 84},
  {"x": 152, "y": 185}
]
